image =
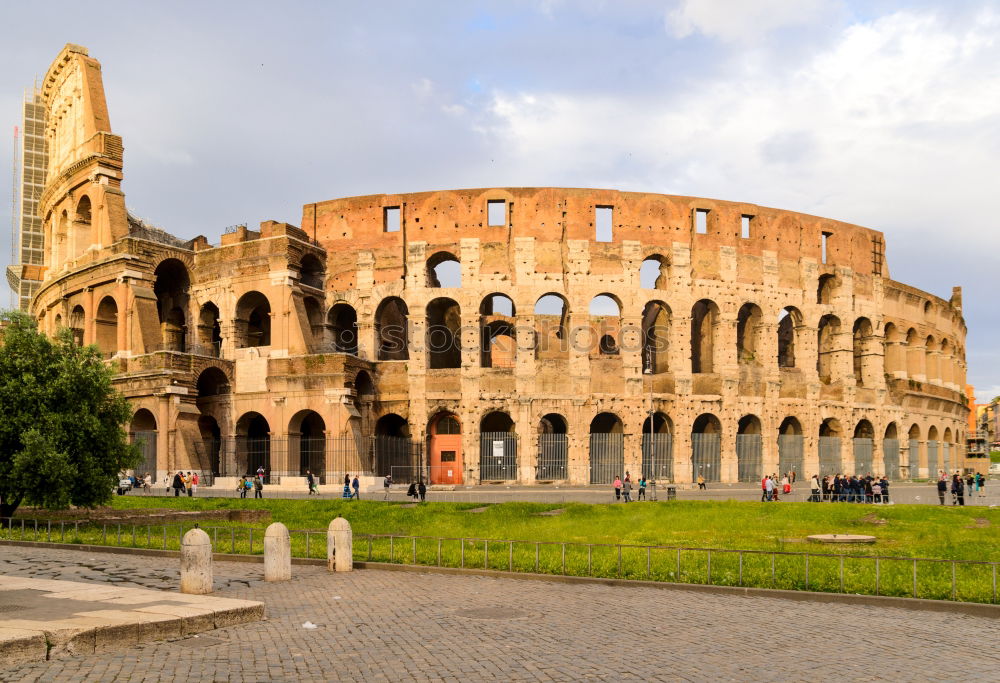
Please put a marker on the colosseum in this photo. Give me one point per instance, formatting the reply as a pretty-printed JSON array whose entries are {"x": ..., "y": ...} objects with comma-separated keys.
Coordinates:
[{"x": 528, "y": 335}]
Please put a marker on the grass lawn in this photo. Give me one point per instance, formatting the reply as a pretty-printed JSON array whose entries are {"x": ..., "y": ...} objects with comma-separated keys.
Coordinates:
[{"x": 970, "y": 533}]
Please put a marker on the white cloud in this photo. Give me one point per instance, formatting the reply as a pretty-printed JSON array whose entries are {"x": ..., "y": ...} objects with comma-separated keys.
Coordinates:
[{"x": 743, "y": 20}]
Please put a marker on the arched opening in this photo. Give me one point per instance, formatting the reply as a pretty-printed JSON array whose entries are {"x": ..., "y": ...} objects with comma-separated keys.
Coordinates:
[
  {"x": 209, "y": 330},
  {"x": 607, "y": 448},
  {"x": 791, "y": 447},
  {"x": 658, "y": 448},
  {"x": 749, "y": 335},
  {"x": 83, "y": 210},
  {"x": 946, "y": 443},
  {"x": 364, "y": 388},
  {"x": 894, "y": 364},
  {"x": 788, "y": 322},
  {"x": 444, "y": 326},
  {"x": 445, "y": 451},
  {"x": 826, "y": 349},
  {"x": 931, "y": 356},
  {"x": 76, "y": 323},
  {"x": 913, "y": 454},
  {"x": 497, "y": 448},
  {"x": 395, "y": 453},
  {"x": 142, "y": 432},
  {"x": 827, "y": 289},
  {"x": 934, "y": 462},
  {"x": 864, "y": 435},
  {"x": 890, "y": 452},
  {"x": 392, "y": 330},
  {"x": 444, "y": 270},
  {"x": 829, "y": 448},
  {"x": 307, "y": 441},
  {"x": 654, "y": 273},
  {"x": 605, "y": 323},
  {"x": 213, "y": 382},
  {"x": 107, "y": 326},
  {"x": 253, "y": 321},
  {"x": 342, "y": 321},
  {"x": 553, "y": 448},
  {"x": 209, "y": 450},
  {"x": 214, "y": 389},
  {"x": 704, "y": 320},
  {"x": 914, "y": 355},
  {"x": 171, "y": 289},
  {"x": 311, "y": 271},
  {"x": 706, "y": 448},
  {"x": 863, "y": 352},
  {"x": 749, "y": 449},
  {"x": 656, "y": 337},
  {"x": 498, "y": 348},
  {"x": 316, "y": 320},
  {"x": 253, "y": 445},
  {"x": 944, "y": 362},
  {"x": 551, "y": 319},
  {"x": 60, "y": 249},
  {"x": 82, "y": 228}
]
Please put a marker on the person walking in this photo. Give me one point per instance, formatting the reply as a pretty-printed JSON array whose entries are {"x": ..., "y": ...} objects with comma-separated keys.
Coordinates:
[
  {"x": 422, "y": 490},
  {"x": 194, "y": 483},
  {"x": 618, "y": 487},
  {"x": 258, "y": 487},
  {"x": 957, "y": 490},
  {"x": 242, "y": 488},
  {"x": 260, "y": 473},
  {"x": 763, "y": 489},
  {"x": 311, "y": 482},
  {"x": 386, "y": 483},
  {"x": 786, "y": 485},
  {"x": 147, "y": 483},
  {"x": 356, "y": 485},
  {"x": 642, "y": 488},
  {"x": 412, "y": 491},
  {"x": 627, "y": 490},
  {"x": 768, "y": 489},
  {"x": 815, "y": 489},
  {"x": 178, "y": 484},
  {"x": 942, "y": 487}
]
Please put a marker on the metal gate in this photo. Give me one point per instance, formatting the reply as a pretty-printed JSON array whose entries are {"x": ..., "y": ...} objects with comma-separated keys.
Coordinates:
[
  {"x": 658, "y": 457},
  {"x": 791, "y": 453},
  {"x": 311, "y": 455},
  {"x": 607, "y": 457},
  {"x": 256, "y": 453},
  {"x": 913, "y": 457},
  {"x": 748, "y": 457},
  {"x": 706, "y": 456},
  {"x": 397, "y": 456},
  {"x": 146, "y": 441},
  {"x": 933, "y": 464},
  {"x": 946, "y": 456},
  {"x": 553, "y": 450},
  {"x": 829, "y": 456},
  {"x": 890, "y": 457},
  {"x": 863, "y": 448},
  {"x": 497, "y": 456}
]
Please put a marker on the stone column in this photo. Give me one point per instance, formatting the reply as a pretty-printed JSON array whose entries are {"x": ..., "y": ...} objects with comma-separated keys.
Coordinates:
[
  {"x": 196, "y": 563},
  {"x": 277, "y": 553},
  {"x": 339, "y": 546}
]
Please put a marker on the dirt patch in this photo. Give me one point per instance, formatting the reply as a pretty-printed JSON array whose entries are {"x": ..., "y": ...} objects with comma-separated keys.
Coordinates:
[
  {"x": 552, "y": 513},
  {"x": 873, "y": 519},
  {"x": 146, "y": 516},
  {"x": 979, "y": 523},
  {"x": 476, "y": 511}
]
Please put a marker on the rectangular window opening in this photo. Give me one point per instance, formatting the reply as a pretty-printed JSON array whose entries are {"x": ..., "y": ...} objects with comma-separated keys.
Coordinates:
[
  {"x": 603, "y": 216},
  {"x": 701, "y": 221},
  {"x": 496, "y": 212},
  {"x": 745, "y": 226},
  {"x": 826, "y": 245},
  {"x": 391, "y": 219}
]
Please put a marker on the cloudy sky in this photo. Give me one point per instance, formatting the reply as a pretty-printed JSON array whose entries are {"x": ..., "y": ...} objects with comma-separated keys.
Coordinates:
[{"x": 878, "y": 112}]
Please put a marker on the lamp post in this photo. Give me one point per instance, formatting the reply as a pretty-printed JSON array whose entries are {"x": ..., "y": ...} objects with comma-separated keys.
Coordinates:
[{"x": 649, "y": 371}]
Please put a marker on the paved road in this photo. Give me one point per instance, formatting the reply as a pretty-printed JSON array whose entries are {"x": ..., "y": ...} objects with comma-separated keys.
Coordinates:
[
  {"x": 395, "y": 626},
  {"x": 925, "y": 494}
]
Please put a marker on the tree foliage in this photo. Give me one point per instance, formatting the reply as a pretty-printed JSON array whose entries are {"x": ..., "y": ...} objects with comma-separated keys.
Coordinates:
[{"x": 62, "y": 440}]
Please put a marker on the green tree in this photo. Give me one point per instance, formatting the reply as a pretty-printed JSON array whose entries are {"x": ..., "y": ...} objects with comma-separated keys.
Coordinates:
[{"x": 62, "y": 440}]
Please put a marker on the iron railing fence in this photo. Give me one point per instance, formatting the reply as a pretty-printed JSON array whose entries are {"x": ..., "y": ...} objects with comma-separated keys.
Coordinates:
[
  {"x": 498, "y": 456},
  {"x": 889, "y": 575},
  {"x": 658, "y": 457},
  {"x": 791, "y": 454},
  {"x": 607, "y": 458},
  {"x": 829, "y": 456},
  {"x": 706, "y": 457},
  {"x": 863, "y": 456},
  {"x": 748, "y": 457},
  {"x": 553, "y": 457},
  {"x": 890, "y": 458}
]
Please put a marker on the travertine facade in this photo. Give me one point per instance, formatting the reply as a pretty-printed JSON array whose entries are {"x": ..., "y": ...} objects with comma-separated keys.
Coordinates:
[{"x": 348, "y": 344}]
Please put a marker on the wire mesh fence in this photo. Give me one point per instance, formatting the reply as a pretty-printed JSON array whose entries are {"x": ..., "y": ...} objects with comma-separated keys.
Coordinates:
[
  {"x": 748, "y": 457},
  {"x": 791, "y": 450},
  {"x": 888, "y": 575},
  {"x": 706, "y": 457}
]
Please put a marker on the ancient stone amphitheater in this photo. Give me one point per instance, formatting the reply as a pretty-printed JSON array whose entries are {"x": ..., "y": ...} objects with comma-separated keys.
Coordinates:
[{"x": 528, "y": 335}]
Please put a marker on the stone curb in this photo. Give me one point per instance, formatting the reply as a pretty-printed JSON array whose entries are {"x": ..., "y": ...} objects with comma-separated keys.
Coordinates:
[{"x": 977, "y": 609}]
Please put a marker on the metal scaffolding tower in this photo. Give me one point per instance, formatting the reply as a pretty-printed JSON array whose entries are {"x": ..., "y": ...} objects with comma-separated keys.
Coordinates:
[{"x": 27, "y": 237}]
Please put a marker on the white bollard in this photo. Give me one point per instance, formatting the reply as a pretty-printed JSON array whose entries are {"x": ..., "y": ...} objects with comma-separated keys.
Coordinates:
[
  {"x": 339, "y": 546},
  {"x": 196, "y": 563},
  {"x": 277, "y": 553}
]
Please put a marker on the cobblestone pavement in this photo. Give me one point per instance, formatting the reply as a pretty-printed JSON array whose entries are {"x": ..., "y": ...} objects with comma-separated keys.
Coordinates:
[{"x": 401, "y": 626}]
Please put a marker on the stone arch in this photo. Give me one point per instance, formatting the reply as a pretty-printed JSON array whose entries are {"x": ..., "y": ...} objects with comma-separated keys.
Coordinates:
[
  {"x": 863, "y": 353},
  {"x": 789, "y": 320},
  {"x": 657, "y": 447},
  {"x": 315, "y": 318},
  {"x": 106, "y": 323},
  {"x": 312, "y": 271},
  {"x": 307, "y": 443},
  {"x": 392, "y": 329},
  {"x": 77, "y": 320},
  {"x": 749, "y": 334},
  {"x": 444, "y": 326},
  {"x": 827, "y": 331},
  {"x": 656, "y": 337},
  {"x": 253, "y": 444},
  {"x": 654, "y": 273},
  {"x": 932, "y": 358},
  {"x": 342, "y": 321},
  {"x": 605, "y": 322},
  {"x": 83, "y": 235},
  {"x": 498, "y": 347},
  {"x": 914, "y": 355},
  {"x": 607, "y": 448},
  {"x": 171, "y": 288},
  {"x": 253, "y": 320},
  {"x": 444, "y": 269},
  {"x": 749, "y": 449},
  {"x": 209, "y": 330},
  {"x": 212, "y": 381},
  {"x": 704, "y": 324},
  {"x": 944, "y": 362},
  {"x": 445, "y": 442},
  {"x": 864, "y": 430},
  {"x": 894, "y": 362},
  {"x": 552, "y": 461},
  {"x": 394, "y": 451},
  {"x": 827, "y": 289},
  {"x": 143, "y": 433},
  {"x": 791, "y": 446},
  {"x": 551, "y": 320},
  {"x": 706, "y": 448}
]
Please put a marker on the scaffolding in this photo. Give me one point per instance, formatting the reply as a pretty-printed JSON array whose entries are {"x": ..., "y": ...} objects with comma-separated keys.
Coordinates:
[{"x": 30, "y": 165}]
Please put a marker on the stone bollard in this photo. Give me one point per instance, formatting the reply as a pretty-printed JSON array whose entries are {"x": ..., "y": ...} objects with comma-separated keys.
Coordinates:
[
  {"x": 277, "y": 553},
  {"x": 196, "y": 563},
  {"x": 339, "y": 546}
]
